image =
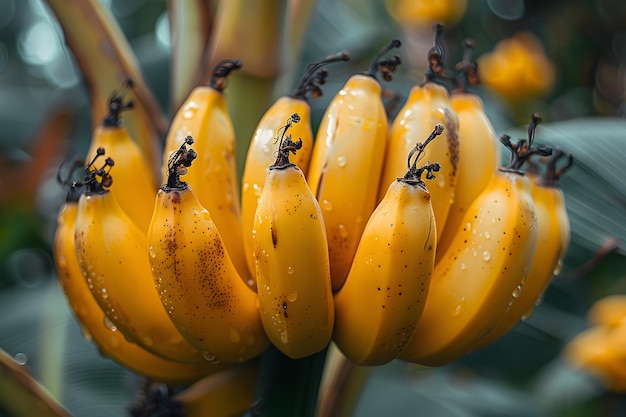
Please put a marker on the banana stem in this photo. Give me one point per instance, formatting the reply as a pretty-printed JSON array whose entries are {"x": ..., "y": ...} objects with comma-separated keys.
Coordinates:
[{"x": 288, "y": 387}]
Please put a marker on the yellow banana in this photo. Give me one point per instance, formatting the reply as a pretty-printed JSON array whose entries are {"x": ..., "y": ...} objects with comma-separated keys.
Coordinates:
[
  {"x": 384, "y": 295},
  {"x": 553, "y": 231},
  {"x": 609, "y": 311},
  {"x": 134, "y": 188},
  {"x": 260, "y": 152},
  {"x": 113, "y": 257},
  {"x": 348, "y": 159},
  {"x": 482, "y": 271},
  {"x": 479, "y": 160},
  {"x": 204, "y": 116},
  {"x": 196, "y": 280},
  {"x": 96, "y": 327},
  {"x": 228, "y": 393},
  {"x": 428, "y": 104},
  {"x": 291, "y": 253}
]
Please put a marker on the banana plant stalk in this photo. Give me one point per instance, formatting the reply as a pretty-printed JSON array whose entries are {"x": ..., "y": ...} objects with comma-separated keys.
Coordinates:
[
  {"x": 190, "y": 29},
  {"x": 106, "y": 61},
  {"x": 21, "y": 395}
]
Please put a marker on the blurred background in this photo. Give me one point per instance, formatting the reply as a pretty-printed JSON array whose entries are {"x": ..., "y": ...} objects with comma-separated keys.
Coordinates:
[{"x": 563, "y": 58}]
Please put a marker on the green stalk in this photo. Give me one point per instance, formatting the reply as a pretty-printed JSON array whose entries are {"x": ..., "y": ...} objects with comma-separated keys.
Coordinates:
[{"x": 288, "y": 387}]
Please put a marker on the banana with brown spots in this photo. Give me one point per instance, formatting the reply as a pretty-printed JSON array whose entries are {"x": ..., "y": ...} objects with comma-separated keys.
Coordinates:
[{"x": 198, "y": 284}]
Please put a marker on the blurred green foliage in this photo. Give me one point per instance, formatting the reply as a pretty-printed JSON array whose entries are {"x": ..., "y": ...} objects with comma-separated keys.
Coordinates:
[{"x": 521, "y": 375}]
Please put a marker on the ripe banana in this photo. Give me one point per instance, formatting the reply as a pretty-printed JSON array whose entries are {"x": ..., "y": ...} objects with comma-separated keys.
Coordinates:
[
  {"x": 196, "y": 280},
  {"x": 427, "y": 105},
  {"x": 553, "y": 231},
  {"x": 480, "y": 274},
  {"x": 113, "y": 257},
  {"x": 96, "y": 327},
  {"x": 384, "y": 295},
  {"x": 480, "y": 159},
  {"x": 204, "y": 116},
  {"x": 291, "y": 253},
  {"x": 135, "y": 187},
  {"x": 348, "y": 159},
  {"x": 261, "y": 152}
]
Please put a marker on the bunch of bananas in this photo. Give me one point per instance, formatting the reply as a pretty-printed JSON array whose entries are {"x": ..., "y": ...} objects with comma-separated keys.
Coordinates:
[{"x": 393, "y": 239}]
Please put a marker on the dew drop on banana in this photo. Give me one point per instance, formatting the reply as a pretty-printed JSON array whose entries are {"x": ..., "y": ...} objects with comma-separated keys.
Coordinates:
[
  {"x": 257, "y": 190},
  {"x": 284, "y": 336},
  {"x": 292, "y": 296},
  {"x": 152, "y": 252},
  {"x": 104, "y": 293},
  {"x": 235, "y": 337},
  {"x": 458, "y": 308},
  {"x": 463, "y": 267},
  {"x": 343, "y": 232},
  {"x": 85, "y": 334},
  {"x": 109, "y": 324},
  {"x": 147, "y": 340},
  {"x": 558, "y": 267},
  {"x": 342, "y": 161},
  {"x": 486, "y": 256},
  {"x": 327, "y": 205},
  {"x": 290, "y": 270},
  {"x": 208, "y": 356},
  {"x": 487, "y": 235},
  {"x": 190, "y": 110},
  {"x": 517, "y": 291}
]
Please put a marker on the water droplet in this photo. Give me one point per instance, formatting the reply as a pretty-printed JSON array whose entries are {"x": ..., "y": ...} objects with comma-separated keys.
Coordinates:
[
  {"x": 20, "y": 358},
  {"x": 246, "y": 187},
  {"x": 539, "y": 299},
  {"x": 210, "y": 357},
  {"x": 517, "y": 291},
  {"x": 62, "y": 261},
  {"x": 266, "y": 148},
  {"x": 234, "y": 336},
  {"x": 327, "y": 205},
  {"x": 257, "y": 190},
  {"x": 486, "y": 255},
  {"x": 341, "y": 161},
  {"x": 152, "y": 251},
  {"x": 458, "y": 308},
  {"x": 292, "y": 296},
  {"x": 109, "y": 324},
  {"x": 468, "y": 226},
  {"x": 104, "y": 293},
  {"x": 558, "y": 267},
  {"x": 487, "y": 235},
  {"x": 343, "y": 232},
  {"x": 190, "y": 110},
  {"x": 528, "y": 313},
  {"x": 290, "y": 270},
  {"x": 85, "y": 333},
  {"x": 147, "y": 340},
  {"x": 251, "y": 283},
  {"x": 284, "y": 336},
  {"x": 463, "y": 266},
  {"x": 441, "y": 182}
]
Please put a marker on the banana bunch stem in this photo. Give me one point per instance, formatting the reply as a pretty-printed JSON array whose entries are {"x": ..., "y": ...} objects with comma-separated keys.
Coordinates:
[{"x": 288, "y": 387}]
